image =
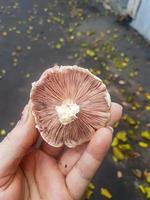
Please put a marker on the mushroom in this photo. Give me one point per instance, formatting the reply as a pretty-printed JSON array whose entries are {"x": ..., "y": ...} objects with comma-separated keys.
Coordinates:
[{"x": 69, "y": 104}]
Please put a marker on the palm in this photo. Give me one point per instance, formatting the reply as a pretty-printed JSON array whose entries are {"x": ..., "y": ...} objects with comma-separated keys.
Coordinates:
[{"x": 38, "y": 177}]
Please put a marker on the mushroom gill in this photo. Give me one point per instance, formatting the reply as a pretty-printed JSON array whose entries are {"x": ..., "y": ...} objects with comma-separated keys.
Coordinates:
[{"x": 69, "y": 104}]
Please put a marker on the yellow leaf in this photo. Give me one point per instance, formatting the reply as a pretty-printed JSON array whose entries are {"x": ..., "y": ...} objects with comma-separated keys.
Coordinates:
[
  {"x": 58, "y": 46},
  {"x": 147, "y": 96},
  {"x": 91, "y": 186},
  {"x": 2, "y": 132},
  {"x": 90, "y": 33},
  {"x": 61, "y": 39},
  {"x": 125, "y": 146},
  {"x": 89, "y": 190},
  {"x": 90, "y": 53},
  {"x": 136, "y": 106},
  {"x": 115, "y": 142},
  {"x": 118, "y": 154},
  {"x": 102, "y": 34},
  {"x": 78, "y": 33},
  {"x": 124, "y": 64},
  {"x": 141, "y": 188},
  {"x": 88, "y": 193},
  {"x": 122, "y": 54},
  {"x": 143, "y": 144},
  {"x": 114, "y": 159},
  {"x": 105, "y": 192},
  {"x": 147, "y": 108},
  {"x": 131, "y": 132},
  {"x": 131, "y": 121},
  {"x": 148, "y": 178},
  {"x": 147, "y": 190},
  {"x": 84, "y": 44},
  {"x": 126, "y": 59},
  {"x": 145, "y": 135},
  {"x": 28, "y": 75},
  {"x": 4, "y": 33},
  {"x": 122, "y": 135},
  {"x": 95, "y": 71}
]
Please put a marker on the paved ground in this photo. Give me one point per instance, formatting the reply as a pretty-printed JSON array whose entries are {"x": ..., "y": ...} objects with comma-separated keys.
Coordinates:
[{"x": 34, "y": 35}]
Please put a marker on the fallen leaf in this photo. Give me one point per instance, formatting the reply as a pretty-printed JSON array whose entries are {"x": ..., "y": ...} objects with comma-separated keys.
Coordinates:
[
  {"x": 145, "y": 135},
  {"x": 137, "y": 173},
  {"x": 118, "y": 154},
  {"x": 143, "y": 144},
  {"x": 105, "y": 192},
  {"x": 122, "y": 135}
]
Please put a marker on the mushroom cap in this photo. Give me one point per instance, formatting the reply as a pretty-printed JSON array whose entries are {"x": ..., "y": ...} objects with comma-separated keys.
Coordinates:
[{"x": 69, "y": 104}]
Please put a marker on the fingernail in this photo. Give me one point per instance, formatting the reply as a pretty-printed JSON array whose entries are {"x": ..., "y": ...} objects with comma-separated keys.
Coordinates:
[
  {"x": 25, "y": 114},
  {"x": 110, "y": 128},
  {"x": 121, "y": 107}
]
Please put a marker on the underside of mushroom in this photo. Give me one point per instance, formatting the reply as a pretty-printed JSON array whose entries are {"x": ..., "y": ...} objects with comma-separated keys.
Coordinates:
[{"x": 69, "y": 104}]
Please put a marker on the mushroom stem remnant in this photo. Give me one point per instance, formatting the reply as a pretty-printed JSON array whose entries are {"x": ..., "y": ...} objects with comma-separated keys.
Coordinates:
[{"x": 67, "y": 112}]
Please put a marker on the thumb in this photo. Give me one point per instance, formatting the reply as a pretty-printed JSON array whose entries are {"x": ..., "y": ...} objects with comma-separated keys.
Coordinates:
[{"x": 17, "y": 143}]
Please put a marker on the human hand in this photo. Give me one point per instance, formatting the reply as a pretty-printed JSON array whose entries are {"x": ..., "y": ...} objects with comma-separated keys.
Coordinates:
[{"x": 49, "y": 173}]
